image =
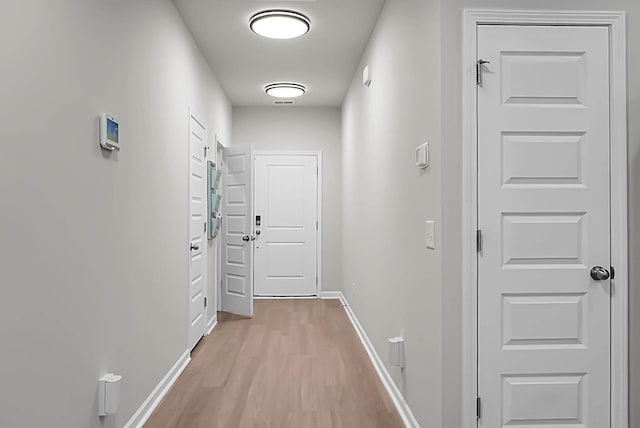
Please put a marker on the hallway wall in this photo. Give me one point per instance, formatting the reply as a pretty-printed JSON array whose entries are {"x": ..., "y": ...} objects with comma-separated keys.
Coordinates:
[
  {"x": 391, "y": 280},
  {"x": 304, "y": 128},
  {"x": 452, "y": 174},
  {"x": 94, "y": 245}
]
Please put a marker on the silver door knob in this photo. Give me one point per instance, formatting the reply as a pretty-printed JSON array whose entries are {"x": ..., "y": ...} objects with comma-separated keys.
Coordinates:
[{"x": 598, "y": 273}]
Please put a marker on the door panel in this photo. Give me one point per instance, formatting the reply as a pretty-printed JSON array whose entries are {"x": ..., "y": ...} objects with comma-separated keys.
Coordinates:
[
  {"x": 237, "y": 248},
  {"x": 287, "y": 203},
  {"x": 197, "y": 235},
  {"x": 543, "y": 208}
]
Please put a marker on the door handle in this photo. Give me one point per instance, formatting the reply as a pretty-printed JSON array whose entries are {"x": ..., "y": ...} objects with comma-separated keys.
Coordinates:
[
  {"x": 194, "y": 247},
  {"x": 246, "y": 238},
  {"x": 598, "y": 273}
]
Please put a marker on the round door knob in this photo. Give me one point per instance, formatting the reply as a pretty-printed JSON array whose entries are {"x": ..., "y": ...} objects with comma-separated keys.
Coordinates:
[
  {"x": 598, "y": 273},
  {"x": 258, "y": 232}
]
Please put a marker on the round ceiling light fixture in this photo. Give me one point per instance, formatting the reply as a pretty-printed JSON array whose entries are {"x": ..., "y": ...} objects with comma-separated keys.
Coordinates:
[
  {"x": 279, "y": 24},
  {"x": 285, "y": 90}
]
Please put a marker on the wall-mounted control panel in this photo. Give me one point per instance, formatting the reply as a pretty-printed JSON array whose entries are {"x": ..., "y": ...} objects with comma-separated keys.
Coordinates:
[{"x": 109, "y": 132}]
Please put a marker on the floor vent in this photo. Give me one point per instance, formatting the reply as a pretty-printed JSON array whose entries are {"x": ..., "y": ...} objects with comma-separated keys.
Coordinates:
[{"x": 283, "y": 103}]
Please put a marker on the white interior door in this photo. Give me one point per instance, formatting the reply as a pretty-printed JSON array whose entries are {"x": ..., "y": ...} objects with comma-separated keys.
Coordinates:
[
  {"x": 197, "y": 234},
  {"x": 237, "y": 243},
  {"x": 544, "y": 213},
  {"x": 286, "y": 194}
]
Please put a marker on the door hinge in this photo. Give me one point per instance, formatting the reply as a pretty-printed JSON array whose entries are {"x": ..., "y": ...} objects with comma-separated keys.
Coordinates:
[
  {"x": 205, "y": 302},
  {"x": 613, "y": 273},
  {"x": 205, "y": 227},
  {"x": 479, "y": 64},
  {"x": 479, "y": 240},
  {"x": 317, "y": 227},
  {"x": 478, "y": 407}
]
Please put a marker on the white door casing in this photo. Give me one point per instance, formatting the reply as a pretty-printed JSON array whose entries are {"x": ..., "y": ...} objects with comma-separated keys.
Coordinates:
[
  {"x": 236, "y": 231},
  {"x": 197, "y": 234},
  {"x": 218, "y": 244},
  {"x": 286, "y": 199},
  {"x": 615, "y": 23},
  {"x": 544, "y": 213}
]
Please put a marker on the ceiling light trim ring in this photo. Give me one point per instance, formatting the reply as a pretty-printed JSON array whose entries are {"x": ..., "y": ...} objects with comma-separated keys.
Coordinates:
[
  {"x": 279, "y": 13},
  {"x": 285, "y": 85}
]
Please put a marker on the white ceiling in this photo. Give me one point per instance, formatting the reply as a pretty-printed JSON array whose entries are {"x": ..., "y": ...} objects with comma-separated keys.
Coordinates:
[{"x": 324, "y": 59}]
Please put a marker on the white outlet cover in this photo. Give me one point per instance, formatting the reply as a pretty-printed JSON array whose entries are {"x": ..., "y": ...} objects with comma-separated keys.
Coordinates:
[
  {"x": 366, "y": 77},
  {"x": 430, "y": 234}
]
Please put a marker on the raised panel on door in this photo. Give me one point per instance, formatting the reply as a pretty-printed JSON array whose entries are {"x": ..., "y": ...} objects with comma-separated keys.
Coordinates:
[
  {"x": 197, "y": 235},
  {"x": 543, "y": 209},
  {"x": 236, "y": 232},
  {"x": 286, "y": 194}
]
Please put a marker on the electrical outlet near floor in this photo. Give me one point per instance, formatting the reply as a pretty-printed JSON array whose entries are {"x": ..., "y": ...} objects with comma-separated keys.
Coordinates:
[{"x": 430, "y": 234}]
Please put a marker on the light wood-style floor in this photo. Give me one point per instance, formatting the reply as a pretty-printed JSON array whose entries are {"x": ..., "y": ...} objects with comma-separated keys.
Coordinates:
[{"x": 297, "y": 363}]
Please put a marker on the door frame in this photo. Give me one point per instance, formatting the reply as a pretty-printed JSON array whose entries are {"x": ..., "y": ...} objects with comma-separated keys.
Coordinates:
[
  {"x": 615, "y": 21},
  {"x": 318, "y": 155},
  {"x": 193, "y": 114},
  {"x": 218, "y": 244}
]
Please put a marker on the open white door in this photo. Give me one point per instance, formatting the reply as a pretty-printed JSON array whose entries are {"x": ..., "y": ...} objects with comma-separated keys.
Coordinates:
[
  {"x": 237, "y": 234},
  {"x": 197, "y": 234}
]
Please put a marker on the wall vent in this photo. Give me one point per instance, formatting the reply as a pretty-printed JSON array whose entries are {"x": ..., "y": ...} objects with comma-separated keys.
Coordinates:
[{"x": 283, "y": 103}]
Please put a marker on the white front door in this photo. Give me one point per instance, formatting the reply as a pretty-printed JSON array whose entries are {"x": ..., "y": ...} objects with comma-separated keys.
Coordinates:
[
  {"x": 544, "y": 214},
  {"x": 237, "y": 234},
  {"x": 286, "y": 191},
  {"x": 197, "y": 234}
]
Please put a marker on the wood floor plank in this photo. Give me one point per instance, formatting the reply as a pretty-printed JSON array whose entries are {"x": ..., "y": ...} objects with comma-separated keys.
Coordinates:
[{"x": 296, "y": 363}]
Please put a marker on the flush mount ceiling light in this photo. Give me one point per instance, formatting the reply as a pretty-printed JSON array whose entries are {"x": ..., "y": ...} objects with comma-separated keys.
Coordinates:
[
  {"x": 279, "y": 24},
  {"x": 285, "y": 90}
]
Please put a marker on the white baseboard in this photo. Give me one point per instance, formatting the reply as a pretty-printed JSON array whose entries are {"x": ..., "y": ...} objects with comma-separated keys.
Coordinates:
[
  {"x": 394, "y": 393},
  {"x": 332, "y": 295},
  {"x": 144, "y": 411},
  {"x": 284, "y": 297},
  {"x": 213, "y": 322}
]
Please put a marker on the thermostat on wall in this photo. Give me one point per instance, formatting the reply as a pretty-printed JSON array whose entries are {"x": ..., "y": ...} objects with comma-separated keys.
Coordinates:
[{"x": 109, "y": 132}]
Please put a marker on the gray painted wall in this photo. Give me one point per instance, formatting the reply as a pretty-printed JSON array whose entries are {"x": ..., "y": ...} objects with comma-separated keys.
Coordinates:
[
  {"x": 391, "y": 280},
  {"x": 94, "y": 245},
  {"x": 304, "y": 128},
  {"x": 452, "y": 173}
]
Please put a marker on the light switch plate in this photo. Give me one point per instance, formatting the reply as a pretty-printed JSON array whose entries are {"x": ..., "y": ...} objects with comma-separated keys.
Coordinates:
[
  {"x": 422, "y": 156},
  {"x": 430, "y": 234}
]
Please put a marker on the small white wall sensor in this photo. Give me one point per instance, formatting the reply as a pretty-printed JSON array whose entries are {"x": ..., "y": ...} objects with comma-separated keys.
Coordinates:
[
  {"x": 366, "y": 77},
  {"x": 422, "y": 156},
  {"x": 396, "y": 352},
  {"x": 109, "y": 132},
  {"x": 108, "y": 394}
]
